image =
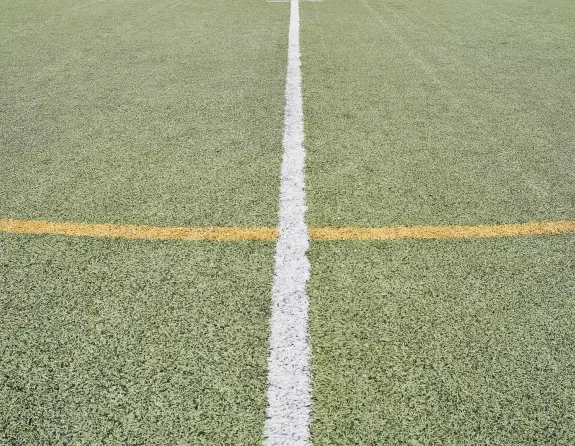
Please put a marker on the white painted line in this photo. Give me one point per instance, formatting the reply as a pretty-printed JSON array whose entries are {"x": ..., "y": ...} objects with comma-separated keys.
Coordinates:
[
  {"x": 289, "y": 380},
  {"x": 288, "y": 1}
]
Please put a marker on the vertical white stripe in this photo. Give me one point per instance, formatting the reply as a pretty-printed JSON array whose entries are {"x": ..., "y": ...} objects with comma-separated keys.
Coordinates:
[{"x": 289, "y": 398}]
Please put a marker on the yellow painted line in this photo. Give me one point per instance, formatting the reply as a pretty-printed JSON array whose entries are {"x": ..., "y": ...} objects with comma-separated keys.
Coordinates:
[
  {"x": 138, "y": 231},
  {"x": 444, "y": 232},
  {"x": 271, "y": 234}
]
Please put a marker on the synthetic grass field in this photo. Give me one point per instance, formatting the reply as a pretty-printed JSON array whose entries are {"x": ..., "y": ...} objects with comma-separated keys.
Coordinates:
[
  {"x": 124, "y": 342},
  {"x": 170, "y": 113}
]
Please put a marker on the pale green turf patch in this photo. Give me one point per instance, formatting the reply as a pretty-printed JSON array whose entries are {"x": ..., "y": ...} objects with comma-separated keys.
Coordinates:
[
  {"x": 133, "y": 342},
  {"x": 444, "y": 343},
  {"x": 164, "y": 112},
  {"x": 439, "y": 112}
]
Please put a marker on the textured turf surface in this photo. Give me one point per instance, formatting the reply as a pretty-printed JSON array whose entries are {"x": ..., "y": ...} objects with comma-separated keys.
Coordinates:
[
  {"x": 128, "y": 342},
  {"x": 439, "y": 112},
  {"x": 169, "y": 112},
  {"x": 444, "y": 343},
  {"x": 156, "y": 112}
]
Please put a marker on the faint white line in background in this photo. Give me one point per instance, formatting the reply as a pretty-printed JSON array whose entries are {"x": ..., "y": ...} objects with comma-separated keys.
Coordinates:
[
  {"x": 287, "y": 1},
  {"x": 289, "y": 379}
]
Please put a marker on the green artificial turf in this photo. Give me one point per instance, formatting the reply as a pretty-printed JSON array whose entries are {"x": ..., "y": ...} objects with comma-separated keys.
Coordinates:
[
  {"x": 164, "y": 112},
  {"x": 443, "y": 343},
  {"x": 439, "y": 112},
  {"x": 133, "y": 342}
]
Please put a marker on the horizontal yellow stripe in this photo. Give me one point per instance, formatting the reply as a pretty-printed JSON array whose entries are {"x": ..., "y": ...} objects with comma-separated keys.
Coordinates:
[
  {"x": 444, "y": 232},
  {"x": 138, "y": 231},
  {"x": 271, "y": 234}
]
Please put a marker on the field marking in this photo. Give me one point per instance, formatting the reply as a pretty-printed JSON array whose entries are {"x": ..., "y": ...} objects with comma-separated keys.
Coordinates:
[
  {"x": 288, "y": 1},
  {"x": 289, "y": 377},
  {"x": 445, "y": 232},
  {"x": 138, "y": 231},
  {"x": 231, "y": 233}
]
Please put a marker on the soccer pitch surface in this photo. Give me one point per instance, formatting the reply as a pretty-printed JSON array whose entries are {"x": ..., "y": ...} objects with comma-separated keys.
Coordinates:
[{"x": 140, "y": 157}]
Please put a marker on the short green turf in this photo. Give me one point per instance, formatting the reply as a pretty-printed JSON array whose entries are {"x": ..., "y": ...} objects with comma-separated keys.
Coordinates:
[
  {"x": 443, "y": 343},
  {"x": 133, "y": 342},
  {"x": 439, "y": 112},
  {"x": 163, "y": 112}
]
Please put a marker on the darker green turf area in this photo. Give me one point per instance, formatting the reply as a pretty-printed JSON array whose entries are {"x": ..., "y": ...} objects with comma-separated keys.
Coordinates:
[
  {"x": 133, "y": 342},
  {"x": 162, "y": 112},
  {"x": 443, "y": 343},
  {"x": 439, "y": 112}
]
